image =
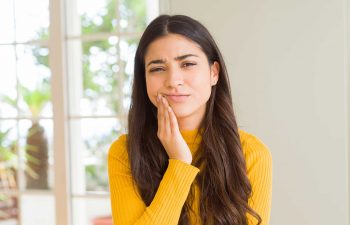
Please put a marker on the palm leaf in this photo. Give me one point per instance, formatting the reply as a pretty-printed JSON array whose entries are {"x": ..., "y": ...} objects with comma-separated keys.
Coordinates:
[{"x": 36, "y": 99}]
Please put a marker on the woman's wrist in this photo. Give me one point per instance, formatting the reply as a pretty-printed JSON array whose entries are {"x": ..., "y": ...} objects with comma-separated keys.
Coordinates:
[{"x": 187, "y": 160}]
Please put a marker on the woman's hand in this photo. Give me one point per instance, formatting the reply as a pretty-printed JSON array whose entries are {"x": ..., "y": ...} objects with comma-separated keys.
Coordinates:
[{"x": 169, "y": 132}]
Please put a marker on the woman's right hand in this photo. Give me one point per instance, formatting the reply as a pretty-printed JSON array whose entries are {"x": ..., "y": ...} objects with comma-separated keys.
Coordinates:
[{"x": 169, "y": 132}]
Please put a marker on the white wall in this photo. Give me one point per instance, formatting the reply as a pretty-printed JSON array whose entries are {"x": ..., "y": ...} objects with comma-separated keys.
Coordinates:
[{"x": 287, "y": 65}]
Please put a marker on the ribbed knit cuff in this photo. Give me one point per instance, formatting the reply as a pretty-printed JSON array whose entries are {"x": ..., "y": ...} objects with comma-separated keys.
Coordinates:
[{"x": 173, "y": 190}]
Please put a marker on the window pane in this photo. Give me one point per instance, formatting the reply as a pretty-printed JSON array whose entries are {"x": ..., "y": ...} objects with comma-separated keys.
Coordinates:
[
  {"x": 133, "y": 15},
  {"x": 8, "y": 93},
  {"x": 96, "y": 92},
  {"x": 97, "y": 15},
  {"x": 37, "y": 154},
  {"x": 6, "y": 22},
  {"x": 37, "y": 209},
  {"x": 90, "y": 141},
  {"x": 127, "y": 53},
  {"x": 32, "y": 19},
  {"x": 34, "y": 78},
  {"x": 92, "y": 211},
  {"x": 99, "y": 69}
]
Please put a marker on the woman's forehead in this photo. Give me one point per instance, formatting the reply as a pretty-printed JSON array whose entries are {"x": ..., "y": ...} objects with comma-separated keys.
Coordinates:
[{"x": 172, "y": 46}]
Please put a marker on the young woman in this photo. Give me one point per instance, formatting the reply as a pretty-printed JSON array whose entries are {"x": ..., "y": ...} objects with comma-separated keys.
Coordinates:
[{"x": 184, "y": 160}]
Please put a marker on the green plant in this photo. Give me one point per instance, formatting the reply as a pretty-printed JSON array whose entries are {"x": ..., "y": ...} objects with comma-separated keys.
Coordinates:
[
  {"x": 37, "y": 144},
  {"x": 8, "y": 156},
  {"x": 8, "y": 167},
  {"x": 33, "y": 152},
  {"x": 36, "y": 148},
  {"x": 36, "y": 99}
]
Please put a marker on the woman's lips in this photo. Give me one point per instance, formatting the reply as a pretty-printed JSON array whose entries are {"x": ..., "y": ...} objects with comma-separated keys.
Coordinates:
[{"x": 177, "y": 98}]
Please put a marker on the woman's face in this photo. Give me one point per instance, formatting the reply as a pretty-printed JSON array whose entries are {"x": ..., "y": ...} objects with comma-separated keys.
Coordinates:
[{"x": 178, "y": 69}]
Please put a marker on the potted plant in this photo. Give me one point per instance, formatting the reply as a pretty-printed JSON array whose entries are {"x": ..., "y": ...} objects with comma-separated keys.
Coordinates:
[
  {"x": 36, "y": 149},
  {"x": 36, "y": 141}
]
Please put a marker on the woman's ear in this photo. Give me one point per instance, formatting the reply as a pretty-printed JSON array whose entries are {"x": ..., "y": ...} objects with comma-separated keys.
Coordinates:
[{"x": 214, "y": 73}]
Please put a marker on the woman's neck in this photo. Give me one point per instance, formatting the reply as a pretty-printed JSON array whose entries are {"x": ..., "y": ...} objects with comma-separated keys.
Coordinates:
[{"x": 188, "y": 123}]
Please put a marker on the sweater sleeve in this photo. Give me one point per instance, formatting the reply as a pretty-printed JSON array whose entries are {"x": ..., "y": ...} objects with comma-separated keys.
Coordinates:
[
  {"x": 259, "y": 170},
  {"x": 128, "y": 207}
]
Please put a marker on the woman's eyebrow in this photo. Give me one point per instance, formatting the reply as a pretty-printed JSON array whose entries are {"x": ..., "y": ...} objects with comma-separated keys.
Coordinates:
[
  {"x": 157, "y": 61},
  {"x": 182, "y": 57},
  {"x": 177, "y": 58}
]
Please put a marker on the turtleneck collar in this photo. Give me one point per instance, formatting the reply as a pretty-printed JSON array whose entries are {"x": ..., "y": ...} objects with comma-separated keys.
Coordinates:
[{"x": 192, "y": 138}]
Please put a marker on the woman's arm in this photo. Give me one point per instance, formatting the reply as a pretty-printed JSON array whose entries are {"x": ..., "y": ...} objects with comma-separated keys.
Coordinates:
[
  {"x": 127, "y": 206},
  {"x": 259, "y": 171}
]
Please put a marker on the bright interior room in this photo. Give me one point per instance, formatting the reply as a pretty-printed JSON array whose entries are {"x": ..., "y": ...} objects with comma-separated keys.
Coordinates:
[{"x": 66, "y": 76}]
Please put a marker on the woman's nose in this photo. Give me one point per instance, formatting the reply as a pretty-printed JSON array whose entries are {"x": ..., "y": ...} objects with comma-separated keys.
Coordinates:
[{"x": 174, "y": 78}]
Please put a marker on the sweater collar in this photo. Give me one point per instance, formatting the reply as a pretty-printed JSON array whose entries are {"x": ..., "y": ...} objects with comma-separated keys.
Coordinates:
[{"x": 191, "y": 136}]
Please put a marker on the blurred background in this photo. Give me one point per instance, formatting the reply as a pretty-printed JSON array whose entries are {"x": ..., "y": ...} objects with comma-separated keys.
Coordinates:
[
  {"x": 99, "y": 38},
  {"x": 66, "y": 72}
]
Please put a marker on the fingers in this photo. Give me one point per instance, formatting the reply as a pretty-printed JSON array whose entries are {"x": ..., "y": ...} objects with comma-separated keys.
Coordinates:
[
  {"x": 166, "y": 117},
  {"x": 160, "y": 113},
  {"x": 167, "y": 125},
  {"x": 173, "y": 121}
]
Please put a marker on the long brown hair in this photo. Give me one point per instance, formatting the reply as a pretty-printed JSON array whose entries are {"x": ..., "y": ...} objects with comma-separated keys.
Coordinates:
[{"x": 224, "y": 185}]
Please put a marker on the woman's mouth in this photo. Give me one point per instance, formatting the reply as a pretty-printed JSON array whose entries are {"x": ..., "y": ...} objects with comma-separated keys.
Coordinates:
[{"x": 177, "y": 98}]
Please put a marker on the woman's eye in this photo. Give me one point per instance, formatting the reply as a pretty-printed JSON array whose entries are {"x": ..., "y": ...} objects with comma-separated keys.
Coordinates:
[
  {"x": 188, "y": 64},
  {"x": 157, "y": 69}
]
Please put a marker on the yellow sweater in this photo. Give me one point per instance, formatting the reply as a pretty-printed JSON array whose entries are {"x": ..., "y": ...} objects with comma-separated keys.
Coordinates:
[{"x": 165, "y": 209}]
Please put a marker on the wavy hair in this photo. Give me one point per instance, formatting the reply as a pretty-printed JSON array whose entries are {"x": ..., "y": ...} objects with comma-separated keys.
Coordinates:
[{"x": 224, "y": 185}]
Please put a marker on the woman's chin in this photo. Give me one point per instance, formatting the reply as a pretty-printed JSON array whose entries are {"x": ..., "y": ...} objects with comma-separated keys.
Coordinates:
[{"x": 181, "y": 113}]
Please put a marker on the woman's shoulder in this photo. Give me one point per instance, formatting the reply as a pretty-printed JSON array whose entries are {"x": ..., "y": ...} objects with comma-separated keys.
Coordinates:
[
  {"x": 254, "y": 149},
  {"x": 118, "y": 149}
]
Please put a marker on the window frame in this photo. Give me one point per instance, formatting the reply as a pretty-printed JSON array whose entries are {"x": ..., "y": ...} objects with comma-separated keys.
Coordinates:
[
  {"x": 61, "y": 117},
  {"x": 63, "y": 165}
]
